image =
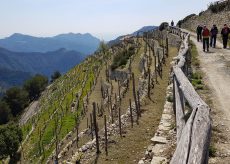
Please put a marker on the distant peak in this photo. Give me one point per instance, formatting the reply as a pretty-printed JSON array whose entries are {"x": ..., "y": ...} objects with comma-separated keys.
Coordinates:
[{"x": 16, "y": 34}]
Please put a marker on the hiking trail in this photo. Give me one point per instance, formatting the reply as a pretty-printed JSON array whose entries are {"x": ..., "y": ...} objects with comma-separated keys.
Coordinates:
[{"x": 216, "y": 68}]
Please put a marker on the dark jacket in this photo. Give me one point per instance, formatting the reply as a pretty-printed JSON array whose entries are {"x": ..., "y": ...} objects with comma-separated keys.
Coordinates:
[
  {"x": 225, "y": 32},
  {"x": 199, "y": 30},
  {"x": 214, "y": 31}
]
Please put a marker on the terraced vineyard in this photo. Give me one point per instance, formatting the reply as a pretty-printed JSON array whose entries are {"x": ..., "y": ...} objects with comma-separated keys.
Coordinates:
[
  {"x": 68, "y": 128},
  {"x": 60, "y": 106}
]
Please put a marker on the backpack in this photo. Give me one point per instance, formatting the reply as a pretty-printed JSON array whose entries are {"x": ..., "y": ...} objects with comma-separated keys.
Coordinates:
[
  {"x": 214, "y": 31},
  {"x": 225, "y": 31}
]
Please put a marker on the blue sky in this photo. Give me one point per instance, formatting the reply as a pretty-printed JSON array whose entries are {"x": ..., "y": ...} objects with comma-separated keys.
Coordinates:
[{"x": 105, "y": 19}]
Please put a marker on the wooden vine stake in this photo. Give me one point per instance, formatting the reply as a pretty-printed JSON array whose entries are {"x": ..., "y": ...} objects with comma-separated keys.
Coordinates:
[
  {"x": 106, "y": 137},
  {"x": 119, "y": 118},
  {"x": 149, "y": 81},
  {"x": 119, "y": 92},
  {"x": 91, "y": 125},
  {"x": 135, "y": 98},
  {"x": 95, "y": 127},
  {"x": 138, "y": 102},
  {"x": 167, "y": 46},
  {"x": 131, "y": 112}
]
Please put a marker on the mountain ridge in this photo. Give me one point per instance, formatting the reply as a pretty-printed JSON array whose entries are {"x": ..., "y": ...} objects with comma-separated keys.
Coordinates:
[
  {"x": 141, "y": 30},
  {"x": 16, "y": 67},
  {"x": 84, "y": 43}
]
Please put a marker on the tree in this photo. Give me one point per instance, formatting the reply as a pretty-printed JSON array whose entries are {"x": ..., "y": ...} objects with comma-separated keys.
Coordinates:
[
  {"x": 103, "y": 47},
  {"x": 55, "y": 76},
  {"x": 10, "y": 138},
  {"x": 35, "y": 86},
  {"x": 17, "y": 99},
  {"x": 4, "y": 112}
]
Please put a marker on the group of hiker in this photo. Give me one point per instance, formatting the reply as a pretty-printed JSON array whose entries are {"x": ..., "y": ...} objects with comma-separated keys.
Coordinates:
[{"x": 209, "y": 36}]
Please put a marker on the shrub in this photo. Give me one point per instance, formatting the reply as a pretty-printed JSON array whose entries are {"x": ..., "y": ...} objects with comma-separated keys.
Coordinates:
[
  {"x": 55, "y": 76},
  {"x": 17, "y": 99},
  {"x": 35, "y": 86},
  {"x": 170, "y": 99},
  {"x": 212, "y": 151},
  {"x": 218, "y": 7},
  {"x": 122, "y": 58},
  {"x": 11, "y": 136},
  {"x": 180, "y": 22},
  {"x": 196, "y": 75},
  {"x": 188, "y": 17},
  {"x": 201, "y": 13},
  {"x": 4, "y": 112}
]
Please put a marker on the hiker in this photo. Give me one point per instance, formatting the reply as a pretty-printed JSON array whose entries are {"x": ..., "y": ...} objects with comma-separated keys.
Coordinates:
[
  {"x": 225, "y": 32},
  {"x": 179, "y": 24},
  {"x": 214, "y": 32},
  {"x": 199, "y": 32},
  {"x": 172, "y": 23},
  {"x": 205, "y": 34}
]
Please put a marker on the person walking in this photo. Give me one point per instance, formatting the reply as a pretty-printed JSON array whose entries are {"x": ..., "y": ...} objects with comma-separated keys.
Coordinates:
[
  {"x": 172, "y": 23},
  {"x": 205, "y": 34},
  {"x": 179, "y": 24},
  {"x": 225, "y": 32},
  {"x": 214, "y": 32},
  {"x": 199, "y": 33}
]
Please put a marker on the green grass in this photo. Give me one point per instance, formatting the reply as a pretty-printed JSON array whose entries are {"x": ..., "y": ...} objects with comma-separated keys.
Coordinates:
[
  {"x": 194, "y": 53},
  {"x": 26, "y": 129},
  {"x": 196, "y": 77},
  {"x": 61, "y": 93},
  {"x": 212, "y": 151}
]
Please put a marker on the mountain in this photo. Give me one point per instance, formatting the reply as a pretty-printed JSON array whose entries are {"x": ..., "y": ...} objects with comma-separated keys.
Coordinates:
[
  {"x": 10, "y": 78},
  {"x": 19, "y": 66},
  {"x": 140, "y": 31},
  {"x": 144, "y": 29},
  {"x": 83, "y": 43}
]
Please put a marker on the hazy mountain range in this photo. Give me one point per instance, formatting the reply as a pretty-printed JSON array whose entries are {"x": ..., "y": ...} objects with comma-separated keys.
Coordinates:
[
  {"x": 19, "y": 66},
  {"x": 22, "y": 56},
  {"x": 83, "y": 43}
]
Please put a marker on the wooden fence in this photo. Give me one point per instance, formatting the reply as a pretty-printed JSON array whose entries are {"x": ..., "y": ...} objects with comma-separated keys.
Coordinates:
[{"x": 193, "y": 135}]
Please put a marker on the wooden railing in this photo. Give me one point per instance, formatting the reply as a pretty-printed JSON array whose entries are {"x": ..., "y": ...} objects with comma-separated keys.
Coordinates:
[{"x": 193, "y": 135}]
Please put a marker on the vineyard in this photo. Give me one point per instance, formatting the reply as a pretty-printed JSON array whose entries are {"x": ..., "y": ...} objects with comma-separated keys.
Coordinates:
[{"x": 100, "y": 102}]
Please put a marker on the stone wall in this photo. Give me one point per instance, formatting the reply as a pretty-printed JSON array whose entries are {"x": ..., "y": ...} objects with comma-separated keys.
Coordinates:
[{"x": 118, "y": 75}]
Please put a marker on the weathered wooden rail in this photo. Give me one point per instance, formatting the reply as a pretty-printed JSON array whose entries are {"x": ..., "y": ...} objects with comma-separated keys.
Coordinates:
[{"x": 193, "y": 135}]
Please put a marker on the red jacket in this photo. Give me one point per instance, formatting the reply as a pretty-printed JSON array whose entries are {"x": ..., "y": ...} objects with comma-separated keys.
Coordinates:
[{"x": 206, "y": 33}]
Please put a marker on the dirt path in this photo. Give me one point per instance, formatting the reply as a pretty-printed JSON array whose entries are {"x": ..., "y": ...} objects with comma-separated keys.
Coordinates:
[{"x": 216, "y": 67}]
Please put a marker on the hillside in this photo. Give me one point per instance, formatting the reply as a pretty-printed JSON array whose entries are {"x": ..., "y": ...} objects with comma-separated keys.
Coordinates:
[
  {"x": 218, "y": 14},
  {"x": 83, "y": 43},
  {"x": 19, "y": 66}
]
